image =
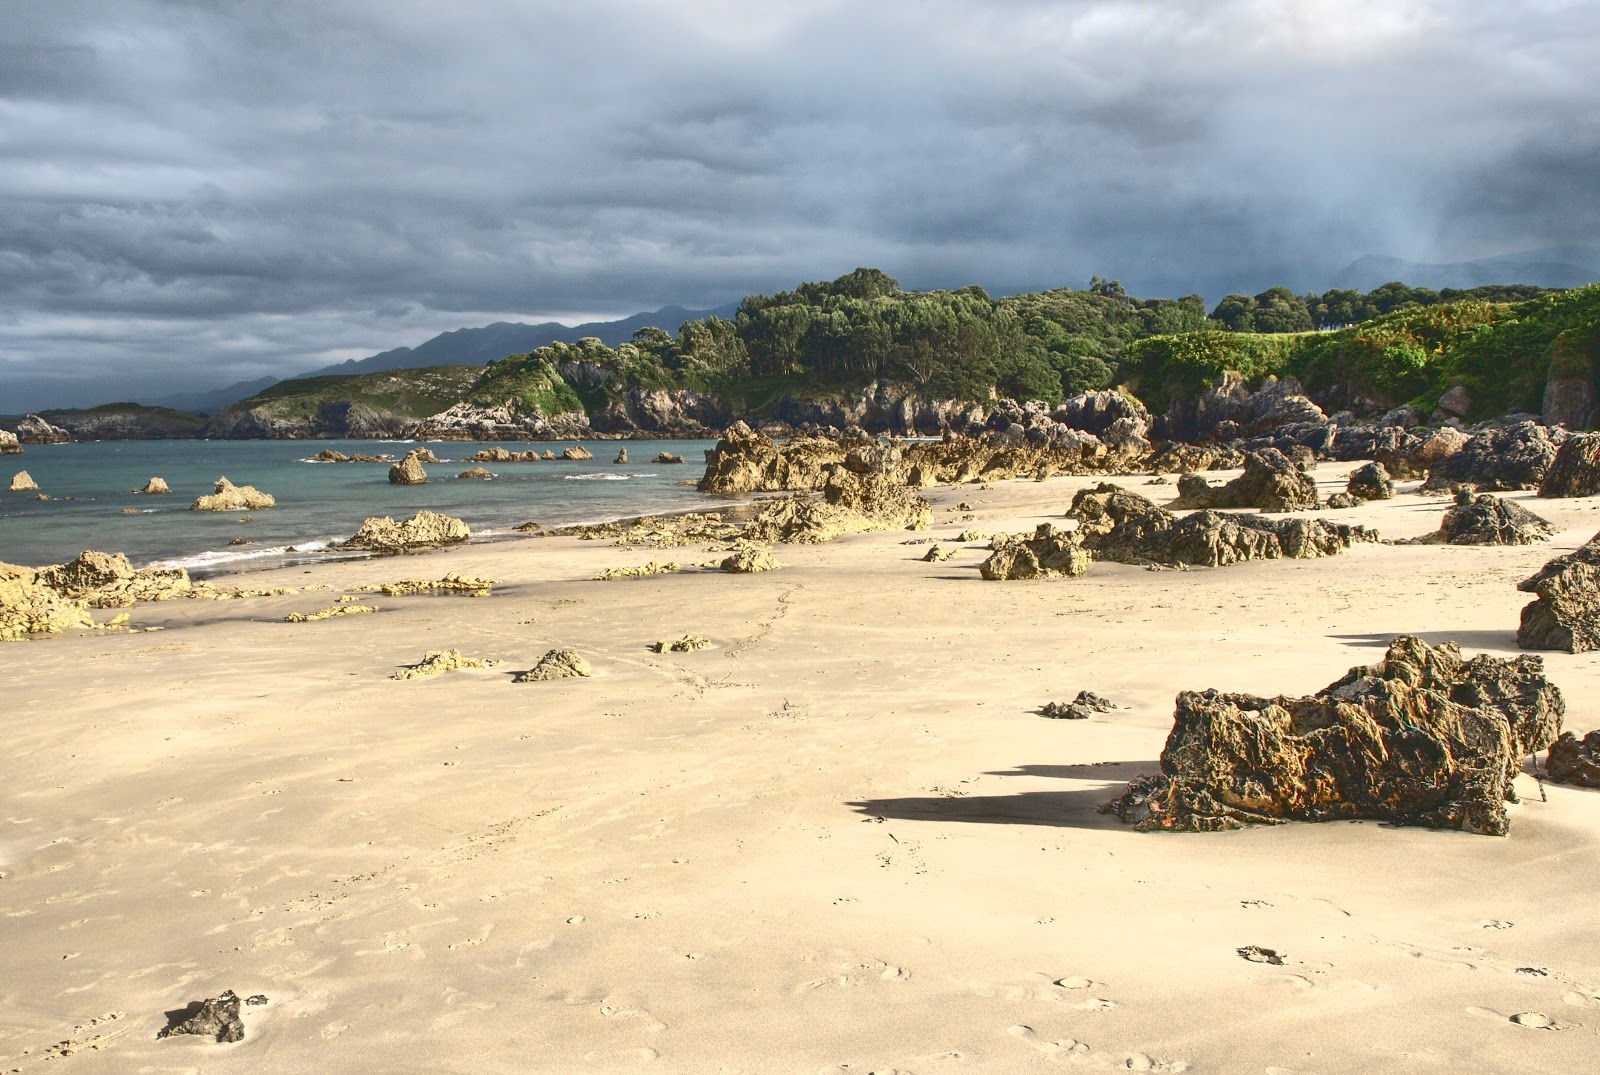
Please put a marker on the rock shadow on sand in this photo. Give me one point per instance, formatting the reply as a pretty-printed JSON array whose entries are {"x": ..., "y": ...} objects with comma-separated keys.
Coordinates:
[
  {"x": 1502, "y": 640},
  {"x": 1076, "y": 809}
]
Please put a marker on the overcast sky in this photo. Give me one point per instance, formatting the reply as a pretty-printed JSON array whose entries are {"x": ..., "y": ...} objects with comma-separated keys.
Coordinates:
[{"x": 209, "y": 190}]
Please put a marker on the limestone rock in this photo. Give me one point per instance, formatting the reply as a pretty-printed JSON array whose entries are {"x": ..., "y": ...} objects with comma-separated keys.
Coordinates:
[
  {"x": 686, "y": 644},
  {"x": 1514, "y": 457},
  {"x": 333, "y": 455},
  {"x": 475, "y": 473},
  {"x": 642, "y": 571},
  {"x": 750, "y": 558},
  {"x": 937, "y": 553},
  {"x": 556, "y": 664},
  {"x": 1566, "y": 615},
  {"x": 231, "y": 497},
  {"x": 108, "y": 580},
  {"x": 9, "y": 445},
  {"x": 215, "y": 1017},
  {"x": 1370, "y": 482},
  {"x": 409, "y": 470},
  {"x": 1049, "y": 553},
  {"x": 1575, "y": 470},
  {"x": 35, "y": 430},
  {"x": 1575, "y": 761},
  {"x": 329, "y": 613},
  {"x": 424, "y": 530},
  {"x": 667, "y": 457},
  {"x": 1482, "y": 519},
  {"x": 578, "y": 452},
  {"x": 27, "y": 606},
  {"x": 155, "y": 487},
  {"x": 1270, "y": 482},
  {"x": 453, "y": 582},
  {"x": 22, "y": 482},
  {"x": 1176, "y": 457},
  {"x": 439, "y": 661},
  {"x": 622, "y": 456},
  {"x": 1422, "y": 737}
]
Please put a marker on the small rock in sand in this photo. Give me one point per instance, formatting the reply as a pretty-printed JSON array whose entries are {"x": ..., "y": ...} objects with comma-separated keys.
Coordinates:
[{"x": 556, "y": 664}]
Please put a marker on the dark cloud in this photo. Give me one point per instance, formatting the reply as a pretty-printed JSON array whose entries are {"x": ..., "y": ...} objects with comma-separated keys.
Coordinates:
[{"x": 214, "y": 191}]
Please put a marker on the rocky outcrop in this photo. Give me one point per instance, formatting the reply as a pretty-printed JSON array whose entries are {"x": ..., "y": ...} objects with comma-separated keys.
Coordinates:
[
  {"x": 1176, "y": 457},
  {"x": 126, "y": 421},
  {"x": 108, "y": 580},
  {"x": 424, "y": 530},
  {"x": 1575, "y": 761},
  {"x": 439, "y": 661},
  {"x": 333, "y": 455},
  {"x": 622, "y": 457},
  {"x": 475, "y": 474},
  {"x": 29, "y": 607},
  {"x": 1423, "y": 737},
  {"x": 216, "y": 1018},
  {"x": 685, "y": 644},
  {"x": 556, "y": 664},
  {"x": 409, "y": 470},
  {"x": 1084, "y": 706},
  {"x": 156, "y": 487},
  {"x": 1405, "y": 452},
  {"x": 1569, "y": 387},
  {"x": 1122, "y": 526},
  {"x": 1566, "y": 614},
  {"x": 22, "y": 482},
  {"x": 577, "y": 452},
  {"x": 32, "y": 429},
  {"x": 745, "y": 461},
  {"x": 9, "y": 444},
  {"x": 1270, "y": 482},
  {"x": 749, "y": 558},
  {"x": 1049, "y": 553},
  {"x": 1575, "y": 470},
  {"x": 667, "y": 458},
  {"x": 1482, "y": 519},
  {"x": 231, "y": 497},
  {"x": 1516, "y": 456},
  {"x": 1370, "y": 482},
  {"x": 332, "y": 612},
  {"x": 1232, "y": 410},
  {"x": 665, "y": 412},
  {"x": 478, "y": 421},
  {"x": 502, "y": 455}
]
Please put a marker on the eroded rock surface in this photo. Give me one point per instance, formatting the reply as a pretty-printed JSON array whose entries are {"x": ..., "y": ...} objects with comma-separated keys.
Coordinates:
[
  {"x": 1050, "y": 553},
  {"x": 577, "y": 452},
  {"x": 1271, "y": 482},
  {"x": 557, "y": 664},
  {"x": 748, "y": 559},
  {"x": 108, "y": 580},
  {"x": 22, "y": 482},
  {"x": 439, "y": 661},
  {"x": 1485, "y": 519},
  {"x": 1575, "y": 470},
  {"x": 1566, "y": 614},
  {"x": 424, "y": 530},
  {"x": 409, "y": 470},
  {"x": 1516, "y": 456},
  {"x": 9, "y": 444},
  {"x": 1371, "y": 482},
  {"x": 215, "y": 1017},
  {"x": 1575, "y": 761},
  {"x": 156, "y": 487},
  {"x": 29, "y": 607},
  {"x": 1422, "y": 737},
  {"x": 231, "y": 497}
]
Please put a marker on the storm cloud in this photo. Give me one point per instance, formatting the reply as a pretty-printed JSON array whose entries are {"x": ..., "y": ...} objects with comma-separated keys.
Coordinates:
[{"x": 202, "y": 192}]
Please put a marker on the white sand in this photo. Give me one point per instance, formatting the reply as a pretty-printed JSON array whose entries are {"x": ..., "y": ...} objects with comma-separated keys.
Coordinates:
[{"x": 840, "y": 841}]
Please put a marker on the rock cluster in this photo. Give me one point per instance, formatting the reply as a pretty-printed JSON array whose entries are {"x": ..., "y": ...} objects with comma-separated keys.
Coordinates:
[
  {"x": 329, "y": 613},
  {"x": 1566, "y": 614},
  {"x": 439, "y": 661},
  {"x": 22, "y": 482},
  {"x": 1422, "y": 737},
  {"x": 35, "y": 430},
  {"x": 642, "y": 571},
  {"x": 332, "y": 455},
  {"x": 1484, "y": 519},
  {"x": 231, "y": 497},
  {"x": 9, "y": 444},
  {"x": 108, "y": 580},
  {"x": 424, "y": 530},
  {"x": 156, "y": 487},
  {"x": 1516, "y": 456},
  {"x": 667, "y": 457},
  {"x": 749, "y": 558},
  {"x": 503, "y": 455},
  {"x": 686, "y": 644},
  {"x": 577, "y": 452},
  {"x": 1370, "y": 482},
  {"x": 409, "y": 470},
  {"x": 556, "y": 664},
  {"x": 1575, "y": 761},
  {"x": 1049, "y": 553},
  {"x": 215, "y": 1017},
  {"x": 452, "y": 583},
  {"x": 1575, "y": 470},
  {"x": 30, "y": 607},
  {"x": 1084, "y": 706},
  {"x": 1271, "y": 482}
]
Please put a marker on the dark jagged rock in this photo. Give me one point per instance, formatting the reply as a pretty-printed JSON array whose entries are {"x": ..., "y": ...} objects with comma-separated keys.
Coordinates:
[
  {"x": 1176, "y": 457},
  {"x": 1370, "y": 482},
  {"x": 215, "y": 1017},
  {"x": 1049, "y": 553},
  {"x": 1575, "y": 470},
  {"x": 1482, "y": 519},
  {"x": 1232, "y": 410},
  {"x": 1084, "y": 706},
  {"x": 1516, "y": 456},
  {"x": 1566, "y": 615},
  {"x": 1575, "y": 761},
  {"x": 1115, "y": 524},
  {"x": 1404, "y": 452},
  {"x": 1342, "y": 500},
  {"x": 1422, "y": 737},
  {"x": 1270, "y": 482}
]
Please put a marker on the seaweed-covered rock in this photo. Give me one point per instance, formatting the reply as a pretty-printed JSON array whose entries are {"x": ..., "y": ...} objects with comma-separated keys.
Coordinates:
[
  {"x": 424, "y": 530},
  {"x": 1270, "y": 482},
  {"x": 231, "y": 497},
  {"x": 1575, "y": 761},
  {"x": 1049, "y": 553},
  {"x": 1575, "y": 470},
  {"x": 1484, "y": 519},
  {"x": 1422, "y": 737},
  {"x": 409, "y": 470},
  {"x": 1566, "y": 615},
  {"x": 1370, "y": 482},
  {"x": 557, "y": 664},
  {"x": 1516, "y": 456}
]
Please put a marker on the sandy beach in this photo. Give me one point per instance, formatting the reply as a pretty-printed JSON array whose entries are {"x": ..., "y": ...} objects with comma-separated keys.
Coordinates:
[{"x": 840, "y": 840}]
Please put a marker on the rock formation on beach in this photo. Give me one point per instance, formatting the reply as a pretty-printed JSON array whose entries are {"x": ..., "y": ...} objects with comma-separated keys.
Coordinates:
[
  {"x": 1575, "y": 470},
  {"x": 1084, "y": 706},
  {"x": 1485, "y": 519},
  {"x": 330, "y": 613},
  {"x": 1516, "y": 456},
  {"x": 639, "y": 572},
  {"x": 1270, "y": 482},
  {"x": 453, "y": 582},
  {"x": 1370, "y": 482},
  {"x": 156, "y": 487},
  {"x": 1575, "y": 761},
  {"x": 1049, "y": 553},
  {"x": 215, "y": 1017},
  {"x": 231, "y": 497},
  {"x": 22, "y": 482},
  {"x": 28, "y": 607},
  {"x": 1566, "y": 614},
  {"x": 1422, "y": 737},
  {"x": 748, "y": 559},
  {"x": 108, "y": 580},
  {"x": 438, "y": 662},
  {"x": 9, "y": 444},
  {"x": 424, "y": 530},
  {"x": 556, "y": 664},
  {"x": 685, "y": 644},
  {"x": 409, "y": 470}
]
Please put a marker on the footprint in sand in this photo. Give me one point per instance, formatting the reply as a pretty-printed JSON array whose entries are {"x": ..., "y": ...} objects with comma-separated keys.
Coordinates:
[
  {"x": 1529, "y": 1020},
  {"x": 333, "y": 1030},
  {"x": 1580, "y": 999},
  {"x": 1068, "y": 1047}
]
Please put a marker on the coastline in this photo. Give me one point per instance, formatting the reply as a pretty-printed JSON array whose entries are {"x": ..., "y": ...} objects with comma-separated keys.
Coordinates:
[{"x": 839, "y": 840}]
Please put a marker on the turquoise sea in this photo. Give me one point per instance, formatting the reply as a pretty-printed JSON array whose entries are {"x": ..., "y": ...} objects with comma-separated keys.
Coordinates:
[{"x": 318, "y": 503}]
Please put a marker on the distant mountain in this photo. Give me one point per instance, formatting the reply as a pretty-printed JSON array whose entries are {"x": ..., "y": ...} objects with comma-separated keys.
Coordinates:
[
  {"x": 1554, "y": 266},
  {"x": 213, "y": 400},
  {"x": 478, "y": 346}
]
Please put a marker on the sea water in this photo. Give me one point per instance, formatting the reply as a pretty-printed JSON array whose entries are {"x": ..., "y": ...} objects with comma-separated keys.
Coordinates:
[{"x": 319, "y": 504}]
